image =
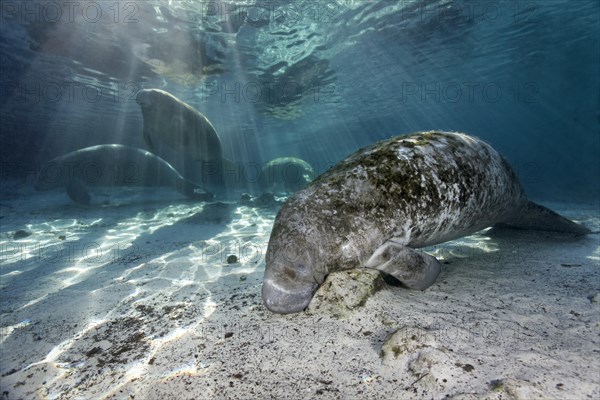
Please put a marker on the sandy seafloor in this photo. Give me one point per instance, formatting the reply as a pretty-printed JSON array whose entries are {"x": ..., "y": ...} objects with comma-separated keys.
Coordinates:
[{"x": 137, "y": 301}]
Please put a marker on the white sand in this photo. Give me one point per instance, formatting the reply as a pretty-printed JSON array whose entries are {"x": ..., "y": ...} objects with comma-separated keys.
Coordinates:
[{"x": 138, "y": 301}]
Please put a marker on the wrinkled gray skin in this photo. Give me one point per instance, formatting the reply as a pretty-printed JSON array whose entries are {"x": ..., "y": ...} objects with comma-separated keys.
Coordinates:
[
  {"x": 112, "y": 165},
  {"x": 170, "y": 121},
  {"x": 376, "y": 206}
]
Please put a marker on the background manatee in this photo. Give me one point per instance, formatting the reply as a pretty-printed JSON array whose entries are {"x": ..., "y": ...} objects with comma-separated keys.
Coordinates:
[
  {"x": 112, "y": 165},
  {"x": 170, "y": 121},
  {"x": 285, "y": 174}
]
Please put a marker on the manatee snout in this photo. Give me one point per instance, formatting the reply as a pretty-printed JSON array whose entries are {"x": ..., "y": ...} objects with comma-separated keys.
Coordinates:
[
  {"x": 144, "y": 98},
  {"x": 288, "y": 284},
  {"x": 286, "y": 299}
]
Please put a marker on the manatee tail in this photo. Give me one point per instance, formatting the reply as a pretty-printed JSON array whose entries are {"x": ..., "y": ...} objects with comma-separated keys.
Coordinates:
[
  {"x": 536, "y": 217},
  {"x": 193, "y": 191}
]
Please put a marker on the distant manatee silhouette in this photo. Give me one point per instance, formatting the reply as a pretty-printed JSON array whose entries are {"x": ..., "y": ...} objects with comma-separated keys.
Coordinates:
[
  {"x": 178, "y": 125},
  {"x": 112, "y": 165},
  {"x": 285, "y": 174}
]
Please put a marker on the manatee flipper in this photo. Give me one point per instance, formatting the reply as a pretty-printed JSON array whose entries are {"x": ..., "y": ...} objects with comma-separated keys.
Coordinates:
[
  {"x": 148, "y": 140},
  {"x": 78, "y": 192},
  {"x": 416, "y": 270},
  {"x": 536, "y": 217},
  {"x": 219, "y": 172}
]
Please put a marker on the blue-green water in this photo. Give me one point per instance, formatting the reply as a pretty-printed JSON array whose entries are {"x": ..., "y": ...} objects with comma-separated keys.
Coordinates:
[
  {"x": 312, "y": 79},
  {"x": 149, "y": 294}
]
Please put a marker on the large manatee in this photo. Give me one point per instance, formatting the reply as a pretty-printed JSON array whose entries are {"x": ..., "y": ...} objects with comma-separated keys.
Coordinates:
[
  {"x": 375, "y": 207},
  {"x": 170, "y": 121}
]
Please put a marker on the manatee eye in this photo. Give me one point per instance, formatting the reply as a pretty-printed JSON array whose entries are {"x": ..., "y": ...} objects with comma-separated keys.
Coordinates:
[
  {"x": 296, "y": 271},
  {"x": 290, "y": 272}
]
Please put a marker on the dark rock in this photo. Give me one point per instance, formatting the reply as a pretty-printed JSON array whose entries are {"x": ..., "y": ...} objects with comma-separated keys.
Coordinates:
[
  {"x": 20, "y": 234},
  {"x": 246, "y": 200}
]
